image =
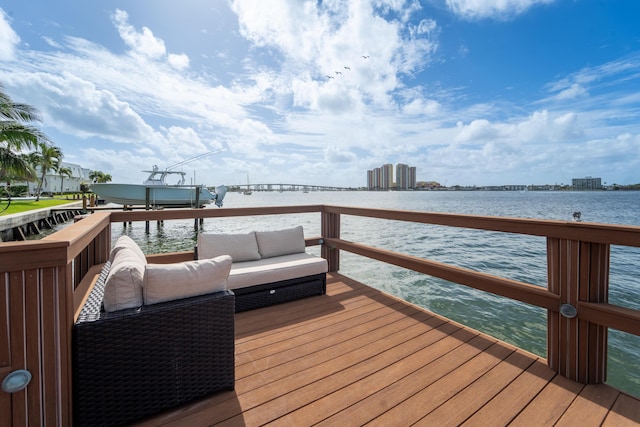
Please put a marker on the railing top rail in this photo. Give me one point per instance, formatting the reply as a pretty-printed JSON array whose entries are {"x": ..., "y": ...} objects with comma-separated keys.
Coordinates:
[
  {"x": 627, "y": 235},
  {"x": 47, "y": 252},
  {"x": 168, "y": 214},
  {"x": 78, "y": 235}
]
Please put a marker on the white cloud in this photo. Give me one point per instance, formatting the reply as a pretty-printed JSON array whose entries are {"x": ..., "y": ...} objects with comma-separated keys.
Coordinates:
[
  {"x": 421, "y": 106},
  {"x": 496, "y": 9},
  {"x": 8, "y": 39},
  {"x": 578, "y": 84},
  {"x": 477, "y": 131},
  {"x": 179, "y": 62},
  {"x": 574, "y": 91},
  {"x": 77, "y": 106},
  {"x": 335, "y": 154},
  {"x": 144, "y": 43},
  {"x": 52, "y": 43},
  {"x": 182, "y": 142},
  {"x": 541, "y": 127},
  {"x": 315, "y": 40}
]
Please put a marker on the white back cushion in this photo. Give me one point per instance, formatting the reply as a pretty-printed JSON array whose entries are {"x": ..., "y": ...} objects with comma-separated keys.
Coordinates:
[
  {"x": 280, "y": 242},
  {"x": 241, "y": 247},
  {"x": 123, "y": 286},
  {"x": 166, "y": 282}
]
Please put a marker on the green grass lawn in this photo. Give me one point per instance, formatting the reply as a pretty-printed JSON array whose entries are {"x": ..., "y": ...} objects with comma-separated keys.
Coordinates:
[{"x": 22, "y": 205}]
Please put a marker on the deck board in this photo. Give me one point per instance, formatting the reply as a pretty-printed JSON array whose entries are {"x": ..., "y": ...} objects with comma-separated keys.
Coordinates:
[{"x": 357, "y": 356}]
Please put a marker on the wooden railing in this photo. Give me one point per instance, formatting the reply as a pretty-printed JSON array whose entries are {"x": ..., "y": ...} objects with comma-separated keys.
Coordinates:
[
  {"x": 42, "y": 287},
  {"x": 578, "y": 279},
  {"x": 37, "y": 289}
]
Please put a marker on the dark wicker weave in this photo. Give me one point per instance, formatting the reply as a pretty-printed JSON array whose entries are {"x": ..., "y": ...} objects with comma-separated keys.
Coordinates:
[
  {"x": 133, "y": 363},
  {"x": 278, "y": 292}
]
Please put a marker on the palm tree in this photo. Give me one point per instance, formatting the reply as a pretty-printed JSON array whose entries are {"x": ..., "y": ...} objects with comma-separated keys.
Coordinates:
[
  {"x": 48, "y": 158},
  {"x": 16, "y": 134},
  {"x": 15, "y": 167},
  {"x": 99, "y": 176},
  {"x": 64, "y": 171},
  {"x": 105, "y": 178},
  {"x": 94, "y": 176}
]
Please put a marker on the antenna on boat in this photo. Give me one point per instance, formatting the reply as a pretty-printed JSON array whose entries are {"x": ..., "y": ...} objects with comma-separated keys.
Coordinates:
[{"x": 191, "y": 159}]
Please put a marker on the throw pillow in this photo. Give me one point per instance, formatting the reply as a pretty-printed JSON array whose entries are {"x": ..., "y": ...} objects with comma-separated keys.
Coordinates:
[
  {"x": 129, "y": 243},
  {"x": 166, "y": 282},
  {"x": 280, "y": 242},
  {"x": 241, "y": 247},
  {"x": 123, "y": 287}
]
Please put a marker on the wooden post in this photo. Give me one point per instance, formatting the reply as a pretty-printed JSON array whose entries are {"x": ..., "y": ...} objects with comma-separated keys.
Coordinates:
[
  {"x": 147, "y": 197},
  {"x": 331, "y": 228},
  {"x": 577, "y": 271}
]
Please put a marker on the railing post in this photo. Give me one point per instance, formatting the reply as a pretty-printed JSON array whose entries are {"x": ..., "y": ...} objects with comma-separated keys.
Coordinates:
[
  {"x": 577, "y": 271},
  {"x": 331, "y": 228}
]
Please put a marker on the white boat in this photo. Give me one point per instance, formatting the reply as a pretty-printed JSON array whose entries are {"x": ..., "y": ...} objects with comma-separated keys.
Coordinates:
[
  {"x": 247, "y": 192},
  {"x": 156, "y": 192}
]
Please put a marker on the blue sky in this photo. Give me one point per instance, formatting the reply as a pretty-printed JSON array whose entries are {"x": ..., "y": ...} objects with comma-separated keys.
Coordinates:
[{"x": 482, "y": 92}]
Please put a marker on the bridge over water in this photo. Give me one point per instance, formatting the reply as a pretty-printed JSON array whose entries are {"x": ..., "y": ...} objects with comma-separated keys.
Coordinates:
[{"x": 287, "y": 187}]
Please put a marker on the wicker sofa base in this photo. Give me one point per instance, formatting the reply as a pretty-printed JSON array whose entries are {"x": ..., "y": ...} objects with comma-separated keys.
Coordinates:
[
  {"x": 133, "y": 363},
  {"x": 258, "y": 296}
]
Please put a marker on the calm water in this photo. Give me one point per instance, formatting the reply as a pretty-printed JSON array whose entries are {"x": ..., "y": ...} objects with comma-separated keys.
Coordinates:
[{"x": 516, "y": 257}]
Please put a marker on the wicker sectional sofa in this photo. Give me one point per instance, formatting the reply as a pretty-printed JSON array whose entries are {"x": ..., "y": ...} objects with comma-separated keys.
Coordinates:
[
  {"x": 154, "y": 336},
  {"x": 132, "y": 359},
  {"x": 269, "y": 267}
]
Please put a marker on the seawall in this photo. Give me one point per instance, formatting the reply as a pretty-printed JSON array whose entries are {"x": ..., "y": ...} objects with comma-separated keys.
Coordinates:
[{"x": 21, "y": 225}]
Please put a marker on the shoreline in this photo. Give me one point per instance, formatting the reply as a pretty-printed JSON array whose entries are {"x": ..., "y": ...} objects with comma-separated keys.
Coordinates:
[{"x": 19, "y": 226}]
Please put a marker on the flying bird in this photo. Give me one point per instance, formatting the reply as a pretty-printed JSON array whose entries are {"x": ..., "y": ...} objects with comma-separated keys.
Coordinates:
[
  {"x": 338, "y": 72},
  {"x": 329, "y": 77},
  {"x": 347, "y": 68},
  {"x": 365, "y": 56}
]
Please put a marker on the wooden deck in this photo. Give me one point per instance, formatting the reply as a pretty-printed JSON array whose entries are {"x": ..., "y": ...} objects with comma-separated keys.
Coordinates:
[{"x": 358, "y": 356}]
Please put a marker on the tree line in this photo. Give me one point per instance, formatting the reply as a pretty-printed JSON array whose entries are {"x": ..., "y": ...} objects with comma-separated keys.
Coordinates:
[{"x": 26, "y": 153}]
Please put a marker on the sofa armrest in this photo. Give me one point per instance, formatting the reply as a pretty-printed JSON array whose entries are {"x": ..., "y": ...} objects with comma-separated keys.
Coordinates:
[{"x": 133, "y": 363}]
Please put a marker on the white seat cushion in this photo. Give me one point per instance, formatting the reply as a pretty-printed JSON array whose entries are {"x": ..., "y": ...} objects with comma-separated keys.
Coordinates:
[
  {"x": 166, "y": 282},
  {"x": 269, "y": 270}
]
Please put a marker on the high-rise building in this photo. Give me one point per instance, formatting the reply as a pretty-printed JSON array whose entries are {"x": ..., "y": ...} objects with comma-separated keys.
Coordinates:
[
  {"x": 374, "y": 179},
  {"x": 386, "y": 182},
  {"x": 371, "y": 179},
  {"x": 382, "y": 178},
  {"x": 587, "y": 183},
  {"x": 413, "y": 172},
  {"x": 402, "y": 176}
]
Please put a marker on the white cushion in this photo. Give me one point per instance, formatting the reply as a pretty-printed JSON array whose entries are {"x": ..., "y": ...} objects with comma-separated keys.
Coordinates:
[
  {"x": 123, "y": 287},
  {"x": 280, "y": 242},
  {"x": 126, "y": 242},
  {"x": 268, "y": 270},
  {"x": 166, "y": 282},
  {"x": 241, "y": 247}
]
